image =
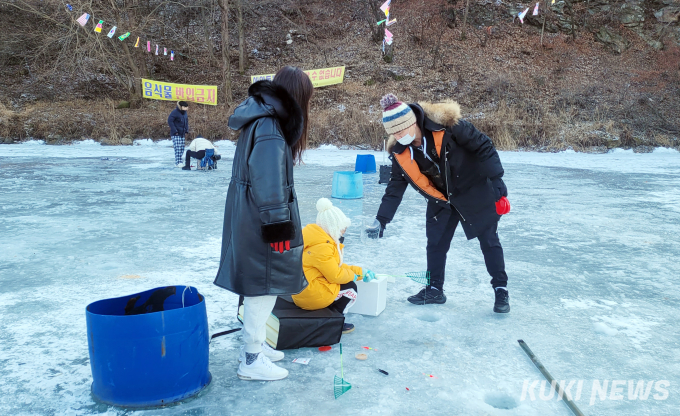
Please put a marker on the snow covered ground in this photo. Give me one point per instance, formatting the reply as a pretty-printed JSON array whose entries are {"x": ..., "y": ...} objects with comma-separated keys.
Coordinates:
[{"x": 591, "y": 249}]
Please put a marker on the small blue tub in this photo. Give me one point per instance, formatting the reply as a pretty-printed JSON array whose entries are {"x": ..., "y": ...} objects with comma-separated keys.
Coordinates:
[
  {"x": 347, "y": 185},
  {"x": 365, "y": 164},
  {"x": 150, "y": 348}
]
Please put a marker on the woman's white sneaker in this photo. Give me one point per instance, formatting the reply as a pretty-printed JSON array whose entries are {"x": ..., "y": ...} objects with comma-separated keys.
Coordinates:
[
  {"x": 261, "y": 369},
  {"x": 268, "y": 351}
]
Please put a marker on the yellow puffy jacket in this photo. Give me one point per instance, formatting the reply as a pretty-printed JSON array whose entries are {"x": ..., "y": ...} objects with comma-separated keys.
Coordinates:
[{"x": 323, "y": 271}]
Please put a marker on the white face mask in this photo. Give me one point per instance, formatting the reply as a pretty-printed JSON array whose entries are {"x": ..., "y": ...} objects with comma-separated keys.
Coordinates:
[{"x": 407, "y": 139}]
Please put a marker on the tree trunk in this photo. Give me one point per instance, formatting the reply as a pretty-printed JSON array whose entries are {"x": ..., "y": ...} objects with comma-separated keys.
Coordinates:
[
  {"x": 388, "y": 56},
  {"x": 226, "y": 66},
  {"x": 374, "y": 15},
  {"x": 136, "y": 87},
  {"x": 242, "y": 63},
  {"x": 544, "y": 17},
  {"x": 467, "y": 7},
  {"x": 206, "y": 34}
]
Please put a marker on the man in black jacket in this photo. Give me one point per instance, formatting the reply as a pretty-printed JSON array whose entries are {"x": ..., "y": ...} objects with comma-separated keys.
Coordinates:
[
  {"x": 457, "y": 169},
  {"x": 179, "y": 127}
]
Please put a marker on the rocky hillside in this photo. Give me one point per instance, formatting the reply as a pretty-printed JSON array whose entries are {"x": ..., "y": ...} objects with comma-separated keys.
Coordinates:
[{"x": 590, "y": 75}]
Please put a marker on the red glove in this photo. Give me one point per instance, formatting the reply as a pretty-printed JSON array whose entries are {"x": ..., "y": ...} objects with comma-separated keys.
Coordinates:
[{"x": 281, "y": 246}]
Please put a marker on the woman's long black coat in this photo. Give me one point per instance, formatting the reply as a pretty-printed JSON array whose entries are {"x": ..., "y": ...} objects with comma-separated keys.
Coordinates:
[{"x": 261, "y": 203}]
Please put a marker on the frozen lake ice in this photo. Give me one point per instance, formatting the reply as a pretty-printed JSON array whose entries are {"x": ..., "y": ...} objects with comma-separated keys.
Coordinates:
[{"x": 591, "y": 249}]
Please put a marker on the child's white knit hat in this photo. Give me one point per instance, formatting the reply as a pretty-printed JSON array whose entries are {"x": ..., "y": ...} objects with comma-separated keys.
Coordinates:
[{"x": 331, "y": 219}]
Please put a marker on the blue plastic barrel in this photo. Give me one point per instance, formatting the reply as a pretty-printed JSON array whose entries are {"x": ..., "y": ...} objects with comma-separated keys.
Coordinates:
[
  {"x": 150, "y": 348},
  {"x": 365, "y": 164},
  {"x": 347, "y": 185}
]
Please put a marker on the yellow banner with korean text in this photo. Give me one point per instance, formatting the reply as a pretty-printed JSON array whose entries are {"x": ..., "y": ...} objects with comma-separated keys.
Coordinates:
[
  {"x": 319, "y": 77},
  {"x": 157, "y": 90}
]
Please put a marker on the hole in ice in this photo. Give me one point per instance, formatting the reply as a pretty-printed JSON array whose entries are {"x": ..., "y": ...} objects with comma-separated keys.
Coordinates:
[
  {"x": 500, "y": 400},
  {"x": 429, "y": 316}
]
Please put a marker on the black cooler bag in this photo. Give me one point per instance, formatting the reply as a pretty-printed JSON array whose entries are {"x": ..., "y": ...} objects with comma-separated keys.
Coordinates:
[{"x": 290, "y": 327}]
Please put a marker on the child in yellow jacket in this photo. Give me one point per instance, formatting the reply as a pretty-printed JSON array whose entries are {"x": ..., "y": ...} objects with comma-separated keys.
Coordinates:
[{"x": 330, "y": 281}]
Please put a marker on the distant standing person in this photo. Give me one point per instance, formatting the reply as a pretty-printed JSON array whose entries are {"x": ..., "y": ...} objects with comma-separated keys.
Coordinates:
[{"x": 179, "y": 127}]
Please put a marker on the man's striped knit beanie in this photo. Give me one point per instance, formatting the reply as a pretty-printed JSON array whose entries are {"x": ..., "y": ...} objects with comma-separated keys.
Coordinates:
[{"x": 397, "y": 116}]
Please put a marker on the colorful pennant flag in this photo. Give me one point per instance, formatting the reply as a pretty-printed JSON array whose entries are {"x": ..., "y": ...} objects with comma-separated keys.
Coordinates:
[
  {"x": 385, "y": 5},
  {"x": 172, "y": 55},
  {"x": 391, "y": 22},
  {"x": 156, "y": 49},
  {"x": 98, "y": 29},
  {"x": 70, "y": 8},
  {"x": 148, "y": 46},
  {"x": 388, "y": 34},
  {"x": 522, "y": 14},
  {"x": 387, "y": 12},
  {"x": 112, "y": 32},
  {"x": 536, "y": 10},
  {"x": 83, "y": 19},
  {"x": 123, "y": 37},
  {"x": 137, "y": 43},
  {"x": 381, "y": 22},
  {"x": 389, "y": 41}
]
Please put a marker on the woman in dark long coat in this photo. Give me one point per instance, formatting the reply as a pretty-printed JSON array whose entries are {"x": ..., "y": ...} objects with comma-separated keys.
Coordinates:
[{"x": 262, "y": 237}]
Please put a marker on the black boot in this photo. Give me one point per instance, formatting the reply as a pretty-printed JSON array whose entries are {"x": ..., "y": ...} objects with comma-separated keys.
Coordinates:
[
  {"x": 428, "y": 295},
  {"x": 502, "y": 304}
]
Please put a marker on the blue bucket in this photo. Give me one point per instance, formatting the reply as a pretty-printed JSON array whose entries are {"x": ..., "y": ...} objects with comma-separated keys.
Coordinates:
[
  {"x": 150, "y": 348},
  {"x": 365, "y": 164},
  {"x": 347, "y": 185}
]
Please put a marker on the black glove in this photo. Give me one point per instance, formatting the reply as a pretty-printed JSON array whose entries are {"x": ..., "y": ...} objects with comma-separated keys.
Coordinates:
[
  {"x": 375, "y": 230},
  {"x": 499, "y": 187}
]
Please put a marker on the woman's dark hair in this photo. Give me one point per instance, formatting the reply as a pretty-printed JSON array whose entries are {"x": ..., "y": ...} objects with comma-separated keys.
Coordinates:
[{"x": 300, "y": 87}]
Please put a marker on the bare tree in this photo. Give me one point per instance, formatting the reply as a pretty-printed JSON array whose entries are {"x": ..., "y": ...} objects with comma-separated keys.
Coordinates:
[
  {"x": 226, "y": 64},
  {"x": 242, "y": 57},
  {"x": 467, "y": 7}
]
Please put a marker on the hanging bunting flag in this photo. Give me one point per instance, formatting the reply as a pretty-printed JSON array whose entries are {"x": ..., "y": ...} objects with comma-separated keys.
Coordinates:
[
  {"x": 536, "y": 10},
  {"x": 388, "y": 34},
  {"x": 391, "y": 22},
  {"x": 156, "y": 49},
  {"x": 165, "y": 51},
  {"x": 172, "y": 55},
  {"x": 381, "y": 22},
  {"x": 137, "y": 43},
  {"x": 389, "y": 41},
  {"x": 148, "y": 46},
  {"x": 98, "y": 29},
  {"x": 83, "y": 19},
  {"x": 387, "y": 12},
  {"x": 70, "y": 8},
  {"x": 522, "y": 14},
  {"x": 112, "y": 32},
  {"x": 123, "y": 37},
  {"x": 385, "y": 5}
]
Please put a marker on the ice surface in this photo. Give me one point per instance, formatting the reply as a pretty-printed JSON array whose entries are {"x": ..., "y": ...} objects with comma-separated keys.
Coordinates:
[{"x": 591, "y": 249}]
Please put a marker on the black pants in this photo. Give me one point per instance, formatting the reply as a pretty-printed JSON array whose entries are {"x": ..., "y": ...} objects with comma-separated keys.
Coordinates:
[
  {"x": 196, "y": 155},
  {"x": 340, "y": 304},
  {"x": 440, "y": 227}
]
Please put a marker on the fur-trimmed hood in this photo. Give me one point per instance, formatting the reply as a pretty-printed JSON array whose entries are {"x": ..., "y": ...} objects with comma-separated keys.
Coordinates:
[
  {"x": 446, "y": 113},
  {"x": 267, "y": 99}
]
